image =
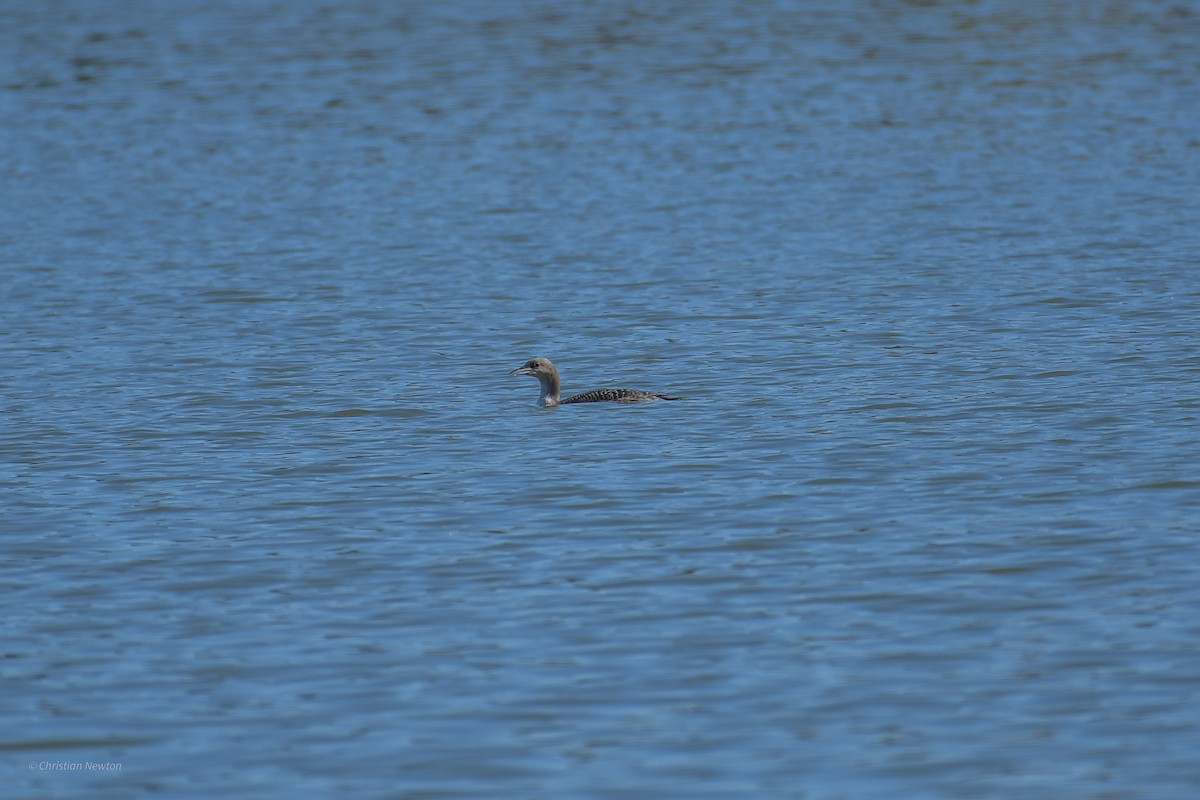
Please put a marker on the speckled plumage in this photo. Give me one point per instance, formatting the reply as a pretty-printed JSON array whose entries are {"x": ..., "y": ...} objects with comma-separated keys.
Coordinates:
[
  {"x": 616, "y": 396},
  {"x": 547, "y": 374}
]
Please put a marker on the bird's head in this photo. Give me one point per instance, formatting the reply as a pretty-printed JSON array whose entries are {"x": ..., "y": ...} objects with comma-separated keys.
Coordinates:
[{"x": 537, "y": 367}]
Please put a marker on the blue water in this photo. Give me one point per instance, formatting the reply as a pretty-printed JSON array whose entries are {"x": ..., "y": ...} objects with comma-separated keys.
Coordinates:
[{"x": 277, "y": 520}]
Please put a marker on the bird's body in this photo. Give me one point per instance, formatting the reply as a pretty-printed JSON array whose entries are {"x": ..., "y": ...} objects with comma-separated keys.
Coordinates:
[{"x": 547, "y": 374}]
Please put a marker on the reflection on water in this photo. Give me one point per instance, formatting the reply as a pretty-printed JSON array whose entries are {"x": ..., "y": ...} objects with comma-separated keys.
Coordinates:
[{"x": 275, "y": 515}]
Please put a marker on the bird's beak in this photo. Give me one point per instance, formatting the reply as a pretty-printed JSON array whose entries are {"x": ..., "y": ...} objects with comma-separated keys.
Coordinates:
[{"x": 521, "y": 371}]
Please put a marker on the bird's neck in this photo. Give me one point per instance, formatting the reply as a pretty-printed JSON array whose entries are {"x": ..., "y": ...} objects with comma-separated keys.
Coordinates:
[{"x": 549, "y": 390}]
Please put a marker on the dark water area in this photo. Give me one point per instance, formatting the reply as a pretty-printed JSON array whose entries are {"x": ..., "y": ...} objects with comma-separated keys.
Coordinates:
[{"x": 275, "y": 518}]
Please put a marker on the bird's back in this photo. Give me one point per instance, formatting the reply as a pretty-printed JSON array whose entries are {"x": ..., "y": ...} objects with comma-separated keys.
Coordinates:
[{"x": 617, "y": 396}]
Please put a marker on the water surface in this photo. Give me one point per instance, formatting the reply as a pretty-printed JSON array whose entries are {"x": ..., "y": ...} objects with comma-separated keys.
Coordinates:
[{"x": 275, "y": 518}]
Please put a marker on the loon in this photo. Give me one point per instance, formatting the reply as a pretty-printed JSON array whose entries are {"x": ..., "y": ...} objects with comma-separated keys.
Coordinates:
[{"x": 547, "y": 375}]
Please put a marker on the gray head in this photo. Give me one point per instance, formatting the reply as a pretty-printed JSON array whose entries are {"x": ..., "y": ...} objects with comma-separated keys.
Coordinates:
[
  {"x": 547, "y": 375},
  {"x": 537, "y": 367}
]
